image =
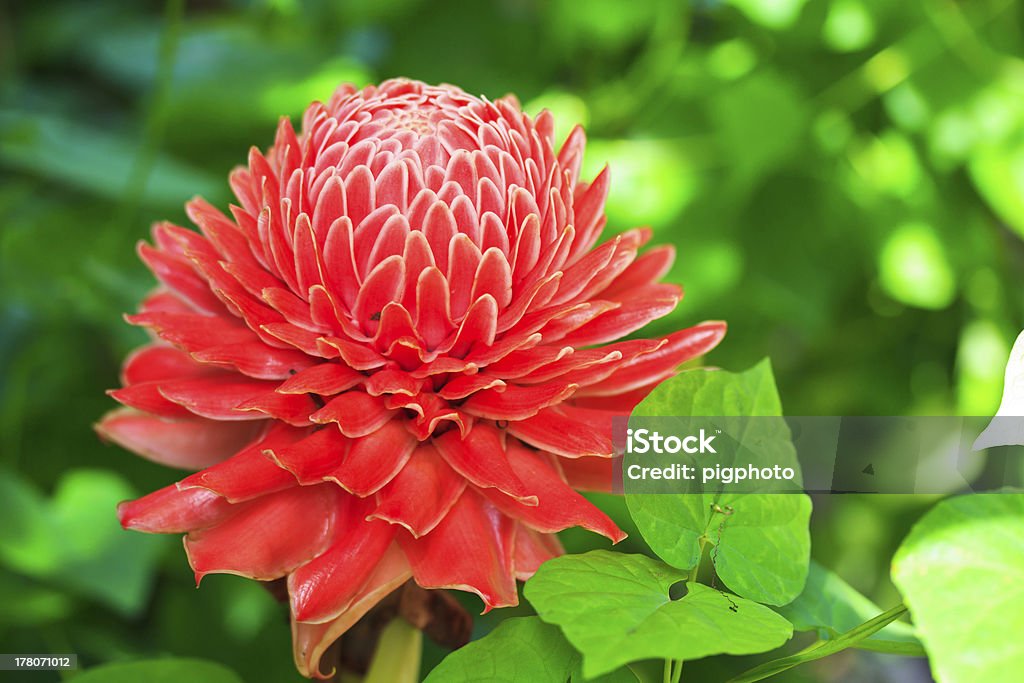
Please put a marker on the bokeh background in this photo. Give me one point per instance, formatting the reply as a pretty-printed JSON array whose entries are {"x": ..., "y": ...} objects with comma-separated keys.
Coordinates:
[{"x": 843, "y": 179}]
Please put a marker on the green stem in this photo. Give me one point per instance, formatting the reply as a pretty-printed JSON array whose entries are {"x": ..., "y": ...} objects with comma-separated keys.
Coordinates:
[
  {"x": 666, "y": 672},
  {"x": 398, "y": 655},
  {"x": 677, "y": 675},
  {"x": 822, "y": 648}
]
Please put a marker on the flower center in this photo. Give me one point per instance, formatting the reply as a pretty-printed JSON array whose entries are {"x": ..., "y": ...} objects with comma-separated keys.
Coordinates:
[{"x": 419, "y": 121}]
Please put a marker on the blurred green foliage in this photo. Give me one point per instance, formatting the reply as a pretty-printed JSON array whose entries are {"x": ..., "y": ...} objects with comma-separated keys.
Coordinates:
[{"x": 844, "y": 181}]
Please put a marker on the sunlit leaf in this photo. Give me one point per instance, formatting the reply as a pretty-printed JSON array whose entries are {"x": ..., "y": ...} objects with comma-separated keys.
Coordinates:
[
  {"x": 519, "y": 649},
  {"x": 761, "y": 541},
  {"x": 615, "y": 608},
  {"x": 961, "y": 572}
]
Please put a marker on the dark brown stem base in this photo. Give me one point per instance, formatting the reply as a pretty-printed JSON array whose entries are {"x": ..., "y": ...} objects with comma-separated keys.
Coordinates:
[{"x": 435, "y": 612}]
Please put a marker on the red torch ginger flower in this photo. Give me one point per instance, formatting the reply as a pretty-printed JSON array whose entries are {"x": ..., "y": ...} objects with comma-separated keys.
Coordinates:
[{"x": 395, "y": 359}]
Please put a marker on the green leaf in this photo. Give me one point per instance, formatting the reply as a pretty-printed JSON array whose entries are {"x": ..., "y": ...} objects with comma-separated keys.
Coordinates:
[
  {"x": 160, "y": 671},
  {"x": 762, "y": 547},
  {"x": 822, "y": 648},
  {"x": 961, "y": 572},
  {"x": 74, "y": 538},
  {"x": 715, "y": 392},
  {"x": 519, "y": 649},
  {"x": 615, "y": 609},
  {"x": 831, "y": 606}
]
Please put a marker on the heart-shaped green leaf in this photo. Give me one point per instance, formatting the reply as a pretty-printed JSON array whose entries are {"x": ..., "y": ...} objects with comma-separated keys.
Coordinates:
[
  {"x": 762, "y": 542},
  {"x": 519, "y": 649},
  {"x": 615, "y": 609},
  {"x": 961, "y": 572},
  {"x": 830, "y": 606}
]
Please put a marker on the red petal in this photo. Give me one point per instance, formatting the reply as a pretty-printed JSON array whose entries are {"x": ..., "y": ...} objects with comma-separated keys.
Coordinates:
[
  {"x": 356, "y": 356},
  {"x": 256, "y": 359},
  {"x": 392, "y": 381},
  {"x": 521, "y": 363},
  {"x": 421, "y": 494},
  {"x": 588, "y": 474},
  {"x": 151, "y": 363},
  {"x": 433, "y": 320},
  {"x": 395, "y": 324},
  {"x": 325, "y": 379},
  {"x": 660, "y": 364},
  {"x": 191, "y": 444},
  {"x": 339, "y": 261},
  {"x": 310, "y": 459},
  {"x": 589, "y": 208},
  {"x": 393, "y": 185},
  {"x": 463, "y": 260},
  {"x": 384, "y": 285},
  {"x": 326, "y": 586},
  {"x": 293, "y": 409},
  {"x": 146, "y": 397},
  {"x": 268, "y": 537},
  {"x": 494, "y": 277},
  {"x": 471, "y": 549},
  {"x": 515, "y": 402},
  {"x": 465, "y": 385},
  {"x": 532, "y": 550},
  {"x": 480, "y": 458},
  {"x": 228, "y": 239},
  {"x": 570, "y": 157},
  {"x": 307, "y": 260},
  {"x": 527, "y": 251},
  {"x": 330, "y": 204},
  {"x": 389, "y": 242},
  {"x": 568, "y": 430},
  {"x": 360, "y": 194},
  {"x": 232, "y": 397},
  {"x": 309, "y": 641},
  {"x": 294, "y": 308},
  {"x": 356, "y": 413},
  {"x": 417, "y": 257},
  {"x": 639, "y": 307},
  {"x": 439, "y": 228},
  {"x": 478, "y": 328},
  {"x": 431, "y": 410},
  {"x": 374, "y": 460},
  {"x": 649, "y": 267},
  {"x": 249, "y": 473},
  {"x": 558, "y": 506},
  {"x": 194, "y": 332},
  {"x": 171, "y": 510},
  {"x": 577, "y": 277},
  {"x": 179, "y": 277}
]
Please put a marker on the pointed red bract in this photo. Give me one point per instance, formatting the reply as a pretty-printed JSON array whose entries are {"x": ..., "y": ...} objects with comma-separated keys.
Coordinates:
[{"x": 395, "y": 357}]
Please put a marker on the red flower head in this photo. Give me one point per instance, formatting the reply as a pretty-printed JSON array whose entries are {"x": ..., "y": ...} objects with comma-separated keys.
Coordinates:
[{"x": 393, "y": 361}]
